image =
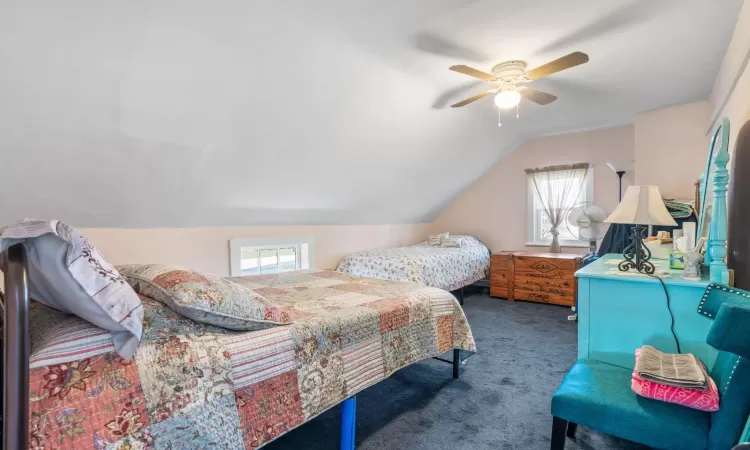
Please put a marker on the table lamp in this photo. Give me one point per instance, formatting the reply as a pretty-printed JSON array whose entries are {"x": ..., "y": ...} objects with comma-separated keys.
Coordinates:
[{"x": 641, "y": 205}]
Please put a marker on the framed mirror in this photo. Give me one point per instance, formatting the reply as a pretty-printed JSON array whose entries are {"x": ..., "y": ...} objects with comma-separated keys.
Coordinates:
[
  {"x": 719, "y": 144},
  {"x": 712, "y": 220}
]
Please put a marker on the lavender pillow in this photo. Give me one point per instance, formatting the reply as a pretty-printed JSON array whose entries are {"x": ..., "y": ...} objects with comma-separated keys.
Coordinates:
[{"x": 69, "y": 274}]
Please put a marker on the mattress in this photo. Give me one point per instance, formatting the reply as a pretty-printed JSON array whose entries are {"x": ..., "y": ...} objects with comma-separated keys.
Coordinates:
[
  {"x": 192, "y": 385},
  {"x": 443, "y": 268}
]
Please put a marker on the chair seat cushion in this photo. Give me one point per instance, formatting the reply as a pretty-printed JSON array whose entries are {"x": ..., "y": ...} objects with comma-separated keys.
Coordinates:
[{"x": 597, "y": 395}]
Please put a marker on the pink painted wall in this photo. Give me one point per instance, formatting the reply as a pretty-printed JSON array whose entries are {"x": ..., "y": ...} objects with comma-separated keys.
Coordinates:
[
  {"x": 494, "y": 208},
  {"x": 731, "y": 93},
  {"x": 737, "y": 109},
  {"x": 207, "y": 249},
  {"x": 671, "y": 147}
]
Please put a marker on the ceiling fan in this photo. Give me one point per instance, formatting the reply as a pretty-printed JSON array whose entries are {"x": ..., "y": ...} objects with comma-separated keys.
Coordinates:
[{"x": 509, "y": 75}]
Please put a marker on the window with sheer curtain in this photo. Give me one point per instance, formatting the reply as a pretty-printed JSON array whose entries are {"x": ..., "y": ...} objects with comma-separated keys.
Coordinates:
[{"x": 539, "y": 226}]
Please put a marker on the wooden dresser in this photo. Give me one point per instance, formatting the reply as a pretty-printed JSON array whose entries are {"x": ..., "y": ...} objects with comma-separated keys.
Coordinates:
[{"x": 536, "y": 277}]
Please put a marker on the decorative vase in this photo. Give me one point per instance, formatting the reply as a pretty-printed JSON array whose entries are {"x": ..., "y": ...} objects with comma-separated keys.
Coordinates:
[{"x": 692, "y": 269}]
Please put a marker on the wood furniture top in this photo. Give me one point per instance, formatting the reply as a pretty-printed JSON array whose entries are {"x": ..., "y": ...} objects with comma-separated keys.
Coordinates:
[{"x": 550, "y": 255}]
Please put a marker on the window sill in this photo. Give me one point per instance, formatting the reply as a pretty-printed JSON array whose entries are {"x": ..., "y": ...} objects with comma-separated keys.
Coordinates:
[{"x": 562, "y": 244}]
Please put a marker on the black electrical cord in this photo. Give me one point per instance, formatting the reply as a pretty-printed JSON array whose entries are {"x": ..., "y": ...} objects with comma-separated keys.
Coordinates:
[{"x": 671, "y": 314}]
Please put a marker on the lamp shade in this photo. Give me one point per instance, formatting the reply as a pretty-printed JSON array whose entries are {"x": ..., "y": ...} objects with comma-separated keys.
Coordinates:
[
  {"x": 642, "y": 205},
  {"x": 620, "y": 166}
]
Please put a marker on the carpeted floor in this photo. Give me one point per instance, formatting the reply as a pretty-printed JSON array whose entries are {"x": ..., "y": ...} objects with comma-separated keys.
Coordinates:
[{"x": 501, "y": 400}]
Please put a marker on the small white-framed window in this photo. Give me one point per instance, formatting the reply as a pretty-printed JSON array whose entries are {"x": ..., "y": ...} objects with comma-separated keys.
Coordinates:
[
  {"x": 537, "y": 222},
  {"x": 256, "y": 256}
]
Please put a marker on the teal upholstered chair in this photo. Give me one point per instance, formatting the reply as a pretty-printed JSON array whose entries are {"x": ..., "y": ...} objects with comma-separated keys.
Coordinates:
[{"x": 598, "y": 395}]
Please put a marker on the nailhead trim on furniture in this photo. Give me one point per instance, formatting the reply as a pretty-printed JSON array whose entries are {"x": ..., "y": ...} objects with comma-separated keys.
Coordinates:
[
  {"x": 726, "y": 386},
  {"x": 705, "y": 296}
]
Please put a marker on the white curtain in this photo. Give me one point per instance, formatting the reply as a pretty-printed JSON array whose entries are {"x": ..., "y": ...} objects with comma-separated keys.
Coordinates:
[{"x": 557, "y": 189}]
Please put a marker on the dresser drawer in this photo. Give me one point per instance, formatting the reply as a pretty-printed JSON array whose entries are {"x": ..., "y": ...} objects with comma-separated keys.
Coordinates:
[
  {"x": 499, "y": 278},
  {"x": 501, "y": 275},
  {"x": 501, "y": 262},
  {"x": 542, "y": 265},
  {"x": 558, "y": 292}
]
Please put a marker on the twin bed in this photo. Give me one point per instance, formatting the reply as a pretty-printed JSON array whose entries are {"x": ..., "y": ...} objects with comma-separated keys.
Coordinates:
[
  {"x": 448, "y": 268},
  {"x": 195, "y": 385}
]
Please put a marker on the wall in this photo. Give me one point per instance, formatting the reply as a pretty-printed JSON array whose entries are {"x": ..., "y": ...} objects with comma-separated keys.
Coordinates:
[
  {"x": 731, "y": 95},
  {"x": 494, "y": 208},
  {"x": 670, "y": 148},
  {"x": 737, "y": 108},
  {"x": 207, "y": 249},
  {"x": 731, "y": 90}
]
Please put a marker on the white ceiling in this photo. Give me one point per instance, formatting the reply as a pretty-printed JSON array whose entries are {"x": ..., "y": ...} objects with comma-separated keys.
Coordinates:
[{"x": 189, "y": 112}]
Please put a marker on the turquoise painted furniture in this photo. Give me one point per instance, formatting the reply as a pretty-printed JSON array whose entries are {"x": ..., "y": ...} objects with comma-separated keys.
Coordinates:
[
  {"x": 598, "y": 395},
  {"x": 619, "y": 313},
  {"x": 714, "y": 181}
]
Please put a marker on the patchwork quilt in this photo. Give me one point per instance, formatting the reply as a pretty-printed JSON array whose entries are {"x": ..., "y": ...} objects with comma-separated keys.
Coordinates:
[
  {"x": 440, "y": 267},
  {"x": 195, "y": 386}
]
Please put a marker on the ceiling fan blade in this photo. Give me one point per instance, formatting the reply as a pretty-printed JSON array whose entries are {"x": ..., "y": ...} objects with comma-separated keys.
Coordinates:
[
  {"x": 459, "y": 91},
  {"x": 538, "y": 97},
  {"x": 566, "y": 62},
  {"x": 466, "y": 70},
  {"x": 474, "y": 98}
]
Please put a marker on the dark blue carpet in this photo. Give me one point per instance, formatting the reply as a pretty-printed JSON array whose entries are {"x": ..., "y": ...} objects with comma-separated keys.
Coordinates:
[{"x": 501, "y": 400}]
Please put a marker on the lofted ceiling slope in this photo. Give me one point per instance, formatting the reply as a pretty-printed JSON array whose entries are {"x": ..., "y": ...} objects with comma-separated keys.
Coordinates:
[{"x": 194, "y": 113}]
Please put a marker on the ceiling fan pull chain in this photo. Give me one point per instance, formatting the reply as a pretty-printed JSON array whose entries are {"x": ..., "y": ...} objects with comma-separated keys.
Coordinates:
[
  {"x": 500, "y": 117},
  {"x": 518, "y": 106}
]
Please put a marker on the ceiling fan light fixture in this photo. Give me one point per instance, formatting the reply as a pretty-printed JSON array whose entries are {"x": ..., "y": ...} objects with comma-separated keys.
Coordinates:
[{"x": 507, "y": 99}]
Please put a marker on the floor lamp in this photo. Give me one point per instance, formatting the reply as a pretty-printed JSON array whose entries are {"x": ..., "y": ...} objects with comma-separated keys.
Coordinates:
[{"x": 620, "y": 169}]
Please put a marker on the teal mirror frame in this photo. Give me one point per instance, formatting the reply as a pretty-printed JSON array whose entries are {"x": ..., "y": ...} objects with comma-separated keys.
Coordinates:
[
  {"x": 706, "y": 177},
  {"x": 716, "y": 249}
]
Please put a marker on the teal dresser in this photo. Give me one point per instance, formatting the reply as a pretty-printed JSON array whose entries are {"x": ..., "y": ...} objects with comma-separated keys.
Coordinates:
[{"x": 619, "y": 313}]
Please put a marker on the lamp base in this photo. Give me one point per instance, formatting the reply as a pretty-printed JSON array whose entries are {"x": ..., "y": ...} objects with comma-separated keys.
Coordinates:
[{"x": 636, "y": 254}]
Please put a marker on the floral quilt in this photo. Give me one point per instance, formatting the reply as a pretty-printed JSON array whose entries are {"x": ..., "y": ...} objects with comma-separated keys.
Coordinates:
[
  {"x": 195, "y": 386},
  {"x": 440, "y": 267}
]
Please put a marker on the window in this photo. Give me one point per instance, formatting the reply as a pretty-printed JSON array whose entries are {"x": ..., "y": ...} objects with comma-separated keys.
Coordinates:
[
  {"x": 255, "y": 256},
  {"x": 537, "y": 222}
]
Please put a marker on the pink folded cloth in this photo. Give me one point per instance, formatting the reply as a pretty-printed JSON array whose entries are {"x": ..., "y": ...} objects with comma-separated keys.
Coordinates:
[{"x": 707, "y": 400}]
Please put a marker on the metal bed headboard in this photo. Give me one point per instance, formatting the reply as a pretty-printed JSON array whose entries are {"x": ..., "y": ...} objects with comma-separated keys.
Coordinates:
[{"x": 16, "y": 351}]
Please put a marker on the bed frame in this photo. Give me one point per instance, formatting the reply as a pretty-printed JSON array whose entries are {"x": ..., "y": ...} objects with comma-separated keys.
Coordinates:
[
  {"x": 16, "y": 351},
  {"x": 15, "y": 360}
]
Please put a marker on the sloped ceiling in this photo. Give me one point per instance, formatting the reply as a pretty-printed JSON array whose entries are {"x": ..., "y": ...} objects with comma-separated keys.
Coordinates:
[{"x": 193, "y": 112}]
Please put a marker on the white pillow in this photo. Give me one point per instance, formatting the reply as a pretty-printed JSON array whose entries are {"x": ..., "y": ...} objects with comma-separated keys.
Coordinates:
[
  {"x": 69, "y": 274},
  {"x": 452, "y": 241},
  {"x": 436, "y": 239}
]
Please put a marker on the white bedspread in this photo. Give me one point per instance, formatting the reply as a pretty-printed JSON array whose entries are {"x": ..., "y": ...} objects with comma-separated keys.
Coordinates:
[{"x": 444, "y": 268}]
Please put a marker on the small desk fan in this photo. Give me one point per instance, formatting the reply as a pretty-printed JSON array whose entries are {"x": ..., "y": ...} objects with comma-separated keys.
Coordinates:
[{"x": 585, "y": 222}]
